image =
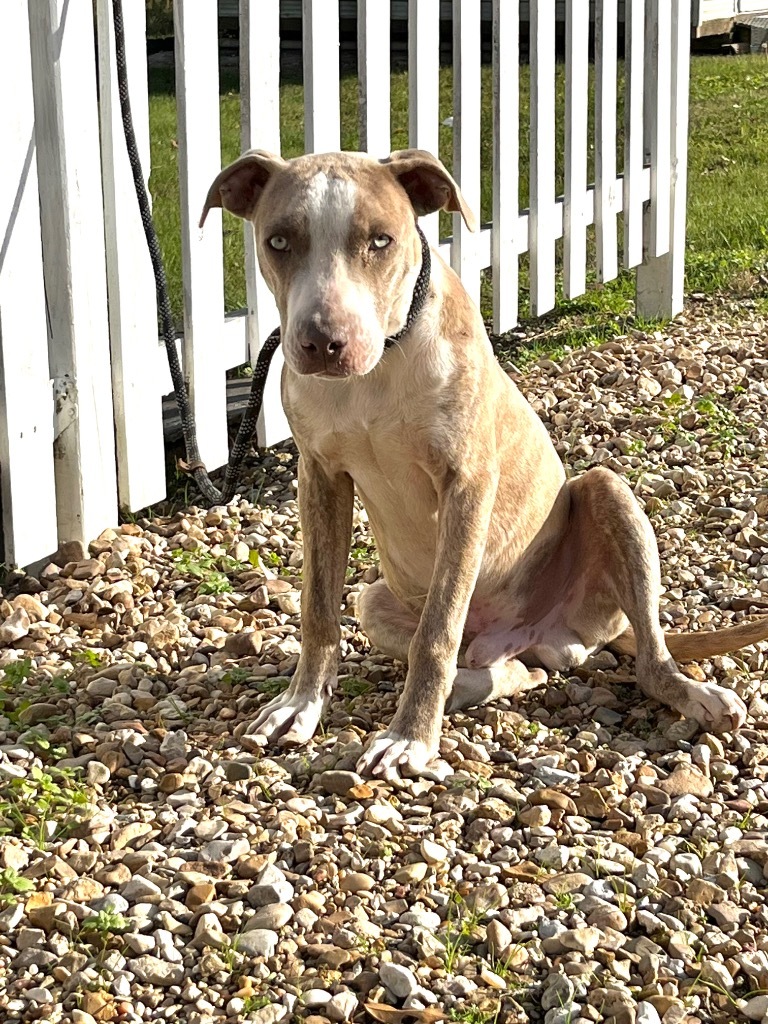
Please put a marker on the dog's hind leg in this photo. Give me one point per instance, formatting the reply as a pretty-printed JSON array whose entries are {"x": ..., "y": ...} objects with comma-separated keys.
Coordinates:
[
  {"x": 387, "y": 623},
  {"x": 619, "y": 563},
  {"x": 390, "y": 626}
]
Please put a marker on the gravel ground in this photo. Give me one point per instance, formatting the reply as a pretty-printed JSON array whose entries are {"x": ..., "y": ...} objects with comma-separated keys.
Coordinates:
[{"x": 585, "y": 855}]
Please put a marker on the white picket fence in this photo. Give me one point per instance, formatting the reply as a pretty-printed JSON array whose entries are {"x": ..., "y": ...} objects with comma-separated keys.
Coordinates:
[{"x": 82, "y": 374}]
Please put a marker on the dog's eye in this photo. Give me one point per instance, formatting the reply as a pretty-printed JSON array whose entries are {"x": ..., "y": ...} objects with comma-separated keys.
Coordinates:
[
  {"x": 279, "y": 243},
  {"x": 380, "y": 242}
]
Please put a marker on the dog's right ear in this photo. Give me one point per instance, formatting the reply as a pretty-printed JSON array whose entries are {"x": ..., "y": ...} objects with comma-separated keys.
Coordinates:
[{"x": 238, "y": 187}]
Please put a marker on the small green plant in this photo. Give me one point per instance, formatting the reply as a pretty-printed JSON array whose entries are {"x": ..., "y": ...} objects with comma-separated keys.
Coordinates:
[
  {"x": 104, "y": 925},
  {"x": 12, "y": 884},
  {"x": 43, "y": 745},
  {"x": 623, "y": 900},
  {"x": 721, "y": 423},
  {"x": 364, "y": 553},
  {"x": 253, "y": 1003},
  {"x": 635, "y": 447},
  {"x": 461, "y": 924},
  {"x": 486, "y": 1014},
  {"x": 208, "y": 568},
  {"x": 89, "y": 657},
  {"x": 564, "y": 901},
  {"x": 230, "y": 955},
  {"x": 16, "y": 673},
  {"x": 273, "y": 686},
  {"x": 236, "y": 676},
  {"x": 746, "y": 820},
  {"x": 504, "y": 966},
  {"x": 354, "y": 686},
  {"x": 44, "y": 805},
  {"x": 274, "y": 560}
]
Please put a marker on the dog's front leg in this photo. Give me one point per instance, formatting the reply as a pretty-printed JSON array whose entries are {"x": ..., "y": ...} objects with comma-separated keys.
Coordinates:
[
  {"x": 412, "y": 739},
  {"x": 325, "y": 509}
]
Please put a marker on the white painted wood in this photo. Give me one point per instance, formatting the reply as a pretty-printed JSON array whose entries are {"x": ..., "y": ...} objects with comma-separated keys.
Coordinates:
[
  {"x": 291, "y": 9},
  {"x": 606, "y": 66},
  {"x": 424, "y": 87},
  {"x": 633, "y": 132},
  {"x": 260, "y": 129},
  {"x": 466, "y": 138},
  {"x": 661, "y": 281},
  {"x": 506, "y": 156},
  {"x": 199, "y": 138},
  {"x": 27, "y": 481},
  {"x": 71, "y": 208},
  {"x": 322, "y": 118},
  {"x": 658, "y": 89},
  {"x": 373, "y": 32},
  {"x": 576, "y": 111},
  {"x": 541, "y": 241},
  {"x": 130, "y": 282}
]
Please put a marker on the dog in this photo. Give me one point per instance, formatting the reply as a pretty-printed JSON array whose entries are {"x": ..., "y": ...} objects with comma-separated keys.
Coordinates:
[{"x": 496, "y": 567}]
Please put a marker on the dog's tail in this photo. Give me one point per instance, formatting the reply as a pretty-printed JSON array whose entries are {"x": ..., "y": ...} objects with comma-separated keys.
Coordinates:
[{"x": 703, "y": 643}]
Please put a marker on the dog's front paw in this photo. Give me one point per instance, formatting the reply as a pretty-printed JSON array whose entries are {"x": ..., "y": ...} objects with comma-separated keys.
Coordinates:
[
  {"x": 291, "y": 718},
  {"x": 390, "y": 753}
]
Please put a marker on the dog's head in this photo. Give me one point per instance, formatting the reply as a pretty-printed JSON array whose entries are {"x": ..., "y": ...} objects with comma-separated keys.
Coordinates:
[{"x": 337, "y": 245}]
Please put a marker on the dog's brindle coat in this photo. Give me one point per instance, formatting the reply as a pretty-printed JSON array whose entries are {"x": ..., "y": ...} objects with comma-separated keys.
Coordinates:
[{"x": 487, "y": 551}]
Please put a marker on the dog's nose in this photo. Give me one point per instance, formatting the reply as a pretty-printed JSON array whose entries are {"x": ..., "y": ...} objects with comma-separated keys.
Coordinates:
[
  {"x": 321, "y": 352},
  {"x": 317, "y": 342}
]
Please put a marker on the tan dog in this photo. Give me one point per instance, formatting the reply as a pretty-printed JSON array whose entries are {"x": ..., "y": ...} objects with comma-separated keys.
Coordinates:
[{"x": 485, "y": 547}]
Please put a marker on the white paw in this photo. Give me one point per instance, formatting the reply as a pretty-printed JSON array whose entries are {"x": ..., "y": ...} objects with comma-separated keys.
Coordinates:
[
  {"x": 715, "y": 708},
  {"x": 389, "y": 753},
  {"x": 289, "y": 718}
]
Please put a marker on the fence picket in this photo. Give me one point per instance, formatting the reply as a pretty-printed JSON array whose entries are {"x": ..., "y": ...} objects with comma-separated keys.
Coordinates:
[
  {"x": 424, "y": 88},
  {"x": 506, "y": 156},
  {"x": 541, "y": 222},
  {"x": 260, "y": 129},
  {"x": 27, "y": 481},
  {"x": 606, "y": 184},
  {"x": 130, "y": 283},
  {"x": 197, "y": 104},
  {"x": 658, "y": 89},
  {"x": 373, "y": 29},
  {"x": 322, "y": 117},
  {"x": 466, "y": 138},
  {"x": 576, "y": 115},
  {"x": 633, "y": 132},
  {"x": 72, "y": 228},
  {"x": 660, "y": 280}
]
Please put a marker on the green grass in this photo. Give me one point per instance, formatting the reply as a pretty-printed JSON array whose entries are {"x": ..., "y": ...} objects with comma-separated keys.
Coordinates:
[{"x": 728, "y": 177}]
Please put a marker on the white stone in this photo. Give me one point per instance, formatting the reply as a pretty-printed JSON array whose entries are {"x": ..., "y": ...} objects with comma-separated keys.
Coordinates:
[{"x": 399, "y": 980}]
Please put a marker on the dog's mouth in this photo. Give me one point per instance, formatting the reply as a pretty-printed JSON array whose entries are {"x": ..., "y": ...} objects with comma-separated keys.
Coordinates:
[{"x": 337, "y": 374}]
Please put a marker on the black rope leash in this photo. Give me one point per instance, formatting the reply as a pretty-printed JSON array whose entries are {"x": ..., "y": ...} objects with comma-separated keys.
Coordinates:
[
  {"x": 193, "y": 464},
  {"x": 420, "y": 292}
]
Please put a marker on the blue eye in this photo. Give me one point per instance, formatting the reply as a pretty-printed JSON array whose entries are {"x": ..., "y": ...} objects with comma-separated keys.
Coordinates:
[
  {"x": 279, "y": 243},
  {"x": 380, "y": 242}
]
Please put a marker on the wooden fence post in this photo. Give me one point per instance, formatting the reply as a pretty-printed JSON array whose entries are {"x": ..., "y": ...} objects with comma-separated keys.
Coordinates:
[
  {"x": 27, "y": 482},
  {"x": 69, "y": 167},
  {"x": 130, "y": 283}
]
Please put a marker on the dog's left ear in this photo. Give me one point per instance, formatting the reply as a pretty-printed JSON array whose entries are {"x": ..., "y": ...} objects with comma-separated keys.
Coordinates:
[{"x": 427, "y": 184}]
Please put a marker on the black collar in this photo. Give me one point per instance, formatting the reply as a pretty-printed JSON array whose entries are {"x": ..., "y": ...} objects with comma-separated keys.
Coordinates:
[{"x": 420, "y": 290}]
